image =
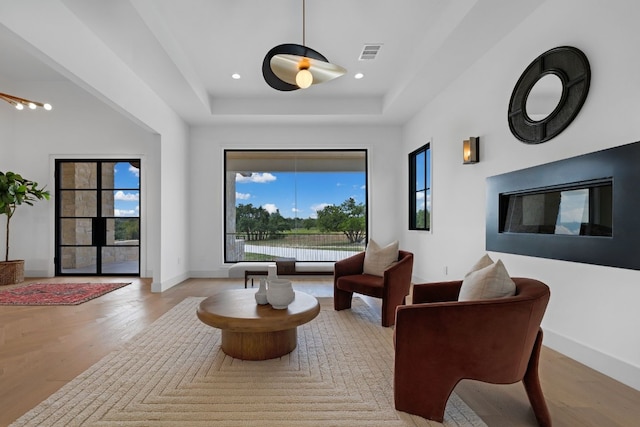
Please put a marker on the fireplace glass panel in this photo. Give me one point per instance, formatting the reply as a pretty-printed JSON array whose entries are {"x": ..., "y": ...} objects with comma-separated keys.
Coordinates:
[{"x": 578, "y": 210}]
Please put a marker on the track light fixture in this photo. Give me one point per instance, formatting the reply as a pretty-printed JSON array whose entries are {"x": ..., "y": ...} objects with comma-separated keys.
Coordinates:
[
  {"x": 289, "y": 67},
  {"x": 20, "y": 103}
]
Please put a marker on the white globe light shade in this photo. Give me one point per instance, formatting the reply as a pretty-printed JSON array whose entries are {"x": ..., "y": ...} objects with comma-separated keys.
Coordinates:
[{"x": 304, "y": 79}]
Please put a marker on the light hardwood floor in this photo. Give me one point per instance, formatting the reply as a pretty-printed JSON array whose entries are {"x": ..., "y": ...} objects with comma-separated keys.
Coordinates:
[{"x": 42, "y": 348}]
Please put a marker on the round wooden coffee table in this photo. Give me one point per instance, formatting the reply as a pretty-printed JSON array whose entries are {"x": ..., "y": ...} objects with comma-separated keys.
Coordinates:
[{"x": 256, "y": 332}]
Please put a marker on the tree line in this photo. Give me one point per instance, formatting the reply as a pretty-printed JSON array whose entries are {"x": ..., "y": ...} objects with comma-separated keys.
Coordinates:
[{"x": 256, "y": 223}]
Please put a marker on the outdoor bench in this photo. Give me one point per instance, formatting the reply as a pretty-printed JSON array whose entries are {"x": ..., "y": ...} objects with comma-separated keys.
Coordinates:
[{"x": 285, "y": 267}]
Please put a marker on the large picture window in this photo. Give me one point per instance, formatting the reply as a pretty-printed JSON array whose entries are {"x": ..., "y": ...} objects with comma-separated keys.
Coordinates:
[
  {"x": 310, "y": 205},
  {"x": 420, "y": 188}
]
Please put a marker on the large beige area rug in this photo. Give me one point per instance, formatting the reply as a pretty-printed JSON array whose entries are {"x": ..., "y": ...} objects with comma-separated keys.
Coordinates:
[{"x": 175, "y": 374}]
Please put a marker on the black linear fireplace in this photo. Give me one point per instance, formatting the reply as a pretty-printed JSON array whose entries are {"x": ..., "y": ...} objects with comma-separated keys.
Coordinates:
[{"x": 582, "y": 209}]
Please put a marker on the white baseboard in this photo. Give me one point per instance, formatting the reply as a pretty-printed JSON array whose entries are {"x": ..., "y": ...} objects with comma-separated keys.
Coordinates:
[
  {"x": 161, "y": 287},
  {"x": 617, "y": 369},
  {"x": 207, "y": 274},
  {"x": 37, "y": 273}
]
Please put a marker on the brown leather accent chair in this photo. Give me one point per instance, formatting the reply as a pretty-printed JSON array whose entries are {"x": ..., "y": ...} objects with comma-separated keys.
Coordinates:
[
  {"x": 440, "y": 341},
  {"x": 393, "y": 287}
]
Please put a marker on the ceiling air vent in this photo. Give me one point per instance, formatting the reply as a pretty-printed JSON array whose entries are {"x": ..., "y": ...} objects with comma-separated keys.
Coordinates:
[{"x": 370, "y": 51}]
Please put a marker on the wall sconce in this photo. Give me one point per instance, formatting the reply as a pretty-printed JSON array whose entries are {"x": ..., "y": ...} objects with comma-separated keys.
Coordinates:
[{"x": 471, "y": 150}]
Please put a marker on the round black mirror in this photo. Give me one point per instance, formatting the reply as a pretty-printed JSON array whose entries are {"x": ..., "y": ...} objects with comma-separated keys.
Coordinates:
[{"x": 549, "y": 94}]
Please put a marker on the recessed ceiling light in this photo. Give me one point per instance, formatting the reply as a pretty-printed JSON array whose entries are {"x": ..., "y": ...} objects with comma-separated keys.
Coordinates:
[
  {"x": 358, "y": 76},
  {"x": 235, "y": 76}
]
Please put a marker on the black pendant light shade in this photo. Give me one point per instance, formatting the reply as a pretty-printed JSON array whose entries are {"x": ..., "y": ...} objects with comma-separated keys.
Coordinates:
[
  {"x": 291, "y": 66},
  {"x": 282, "y": 64}
]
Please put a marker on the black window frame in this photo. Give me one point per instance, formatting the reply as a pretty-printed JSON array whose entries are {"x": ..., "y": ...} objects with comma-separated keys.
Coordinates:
[
  {"x": 363, "y": 151},
  {"x": 423, "y": 153}
]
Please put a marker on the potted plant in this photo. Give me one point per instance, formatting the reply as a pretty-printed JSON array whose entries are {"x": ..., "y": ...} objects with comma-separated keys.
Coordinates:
[{"x": 15, "y": 191}]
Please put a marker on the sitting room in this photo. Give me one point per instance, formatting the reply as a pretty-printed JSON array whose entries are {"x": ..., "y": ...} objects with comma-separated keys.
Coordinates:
[{"x": 462, "y": 131}]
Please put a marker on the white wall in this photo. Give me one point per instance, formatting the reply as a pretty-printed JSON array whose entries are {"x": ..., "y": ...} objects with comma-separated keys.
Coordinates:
[
  {"x": 6, "y": 128},
  {"x": 207, "y": 170},
  {"x": 593, "y": 314},
  {"x": 79, "y": 126}
]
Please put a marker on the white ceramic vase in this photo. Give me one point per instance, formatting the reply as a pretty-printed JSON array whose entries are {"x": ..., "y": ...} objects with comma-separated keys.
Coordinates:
[
  {"x": 261, "y": 295},
  {"x": 280, "y": 293},
  {"x": 272, "y": 271}
]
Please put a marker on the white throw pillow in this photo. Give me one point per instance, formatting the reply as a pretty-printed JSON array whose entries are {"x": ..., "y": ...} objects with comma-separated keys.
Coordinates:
[
  {"x": 492, "y": 281},
  {"x": 377, "y": 259},
  {"x": 483, "y": 262}
]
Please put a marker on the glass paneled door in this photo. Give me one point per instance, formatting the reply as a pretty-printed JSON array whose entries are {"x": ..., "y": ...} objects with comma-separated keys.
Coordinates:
[{"x": 98, "y": 217}]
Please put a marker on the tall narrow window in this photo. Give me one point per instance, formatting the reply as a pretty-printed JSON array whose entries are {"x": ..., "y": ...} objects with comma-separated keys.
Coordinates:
[
  {"x": 420, "y": 188},
  {"x": 310, "y": 205}
]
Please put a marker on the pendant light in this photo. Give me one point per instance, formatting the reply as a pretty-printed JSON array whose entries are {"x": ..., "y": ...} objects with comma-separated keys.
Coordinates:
[
  {"x": 289, "y": 67},
  {"x": 20, "y": 103}
]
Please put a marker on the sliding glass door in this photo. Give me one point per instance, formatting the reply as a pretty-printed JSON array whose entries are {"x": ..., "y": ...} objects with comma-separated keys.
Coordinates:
[{"x": 98, "y": 217}]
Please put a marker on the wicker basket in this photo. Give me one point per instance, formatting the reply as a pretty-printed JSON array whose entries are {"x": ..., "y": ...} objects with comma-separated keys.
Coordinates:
[{"x": 11, "y": 272}]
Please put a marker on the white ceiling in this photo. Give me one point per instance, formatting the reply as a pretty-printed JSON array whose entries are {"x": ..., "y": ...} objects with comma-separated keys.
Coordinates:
[{"x": 187, "y": 50}]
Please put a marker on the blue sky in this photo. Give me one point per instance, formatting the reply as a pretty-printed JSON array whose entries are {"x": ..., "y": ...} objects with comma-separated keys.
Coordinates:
[
  {"x": 127, "y": 200},
  {"x": 299, "y": 194}
]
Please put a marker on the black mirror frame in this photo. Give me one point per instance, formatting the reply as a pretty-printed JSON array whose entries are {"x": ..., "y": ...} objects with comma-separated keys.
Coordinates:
[{"x": 572, "y": 67}]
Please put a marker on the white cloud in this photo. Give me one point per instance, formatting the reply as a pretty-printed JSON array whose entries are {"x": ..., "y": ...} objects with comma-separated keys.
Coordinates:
[
  {"x": 420, "y": 200},
  {"x": 127, "y": 212},
  {"x": 320, "y": 206},
  {"x": 134, "y": 171},
  {"x": 243, "y": 196},
  {"x": 127, "y": 197},
  {"x": 296, "y": 210},
  {"x": 257, "y": 178},
  {"x": 270, "y": 207}
]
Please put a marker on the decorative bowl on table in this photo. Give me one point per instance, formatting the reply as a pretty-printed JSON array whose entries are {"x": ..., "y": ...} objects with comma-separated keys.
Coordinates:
[{"x": 280, "y": 293}]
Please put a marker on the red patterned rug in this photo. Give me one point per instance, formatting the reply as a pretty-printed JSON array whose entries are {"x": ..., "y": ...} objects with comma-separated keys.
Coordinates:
[{"x": 56, "y": 293}]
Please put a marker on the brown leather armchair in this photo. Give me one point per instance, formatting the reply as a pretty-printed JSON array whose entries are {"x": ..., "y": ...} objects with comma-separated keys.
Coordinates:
[
  {"x": 440, "y": 341},
  {"x": 393, "y": 287}
]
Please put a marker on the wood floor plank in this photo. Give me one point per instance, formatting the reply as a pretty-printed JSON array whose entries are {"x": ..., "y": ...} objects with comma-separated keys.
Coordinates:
[{"x": 43, "y": 348}]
